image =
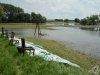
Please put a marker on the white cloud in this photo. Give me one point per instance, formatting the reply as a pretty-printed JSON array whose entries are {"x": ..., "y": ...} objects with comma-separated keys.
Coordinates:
[{"x": 52, "y": 9}]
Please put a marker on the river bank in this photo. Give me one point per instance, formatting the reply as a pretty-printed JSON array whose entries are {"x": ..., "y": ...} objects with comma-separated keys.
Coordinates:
[
  {"x": 56, "y": 48},
  {"x": 27, "y": 65},
  {"x": 52, "y": 46},
  {"x": 45, "y": 25}
]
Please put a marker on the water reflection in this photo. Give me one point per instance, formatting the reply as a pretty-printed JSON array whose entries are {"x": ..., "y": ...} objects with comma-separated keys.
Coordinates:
[
  {"x": 86, "y": 41},
  {"x": 95, "y": 30},
  {"x": 91, "y": 29}
]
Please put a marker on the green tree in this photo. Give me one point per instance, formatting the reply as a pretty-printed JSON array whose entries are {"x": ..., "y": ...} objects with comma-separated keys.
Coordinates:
[
  {"x": 16, "y": 14},
  {"x": 33, "y": 17},
  {"x": 43, "y": 19},
  {"x": 84, "y": 21},
  {"x": 66, "y": 20},
  {"x": 94, "y": 19},
  {"x": 77, "y": 20},
  {"x": 59, "y": 20},
  {"x": 89, "y": 22},
  {"x": 12, "y": 12},
  {"x": 2, "y": 13},
  {"x": 39, "y": 16},
  {"x": 26, "y": 17}
]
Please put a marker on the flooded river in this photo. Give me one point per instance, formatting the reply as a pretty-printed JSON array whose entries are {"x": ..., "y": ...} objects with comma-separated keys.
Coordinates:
[{"x": 85, "y": 41}]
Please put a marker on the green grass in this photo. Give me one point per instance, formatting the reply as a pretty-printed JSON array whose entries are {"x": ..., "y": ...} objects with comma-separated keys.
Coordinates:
[
  {"x": 23, "y": 25},
  {"x": 13, "y": 63},
  {"x": 44, "y": 26},
  {"x": 81, "y": 59}
]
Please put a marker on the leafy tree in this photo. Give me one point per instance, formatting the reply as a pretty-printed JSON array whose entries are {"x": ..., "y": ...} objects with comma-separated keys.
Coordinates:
[
  {"x": 43, "y": 19},
  {"x": 92, "y": 20},
  {"x": 33, "y": 17},
  {"x": 2, "y": 13},
  {"x": 39, "y": 16},
  {"x": 26, "y": 18},
  {"x": 89, "y": 22},
  {"x": 83, "y": 21},
  {"x": 77, "y": 20},
  {"x": 16, "y": 14},
  {"x": 12, "y": 12},
  {"x": 66, "y": 20},
  {"x": 58, "y": 19}
]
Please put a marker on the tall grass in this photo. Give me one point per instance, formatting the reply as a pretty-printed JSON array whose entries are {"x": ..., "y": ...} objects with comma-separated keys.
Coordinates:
[
  {"x": 13, "y": 63},
  {"x": 7, "y": 64}
]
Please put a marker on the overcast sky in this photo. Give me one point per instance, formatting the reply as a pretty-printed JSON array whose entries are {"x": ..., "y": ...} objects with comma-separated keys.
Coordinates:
[{"x": 59, "y": 9}]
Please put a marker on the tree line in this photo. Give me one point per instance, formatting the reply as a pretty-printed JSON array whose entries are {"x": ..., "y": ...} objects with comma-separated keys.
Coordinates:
[
  {"x": 11, "y": 14},
  {"x": 62, "y": 20},
  {"x": 89, "y": 20}
]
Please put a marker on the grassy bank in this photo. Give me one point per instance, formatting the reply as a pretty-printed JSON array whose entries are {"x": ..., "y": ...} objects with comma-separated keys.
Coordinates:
[
  {"x": 74, "y": 56},
  {"x": 13, "y": 63},
  {"x": 44, "y": 26},
  {"x": 23, "y": 25}
]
